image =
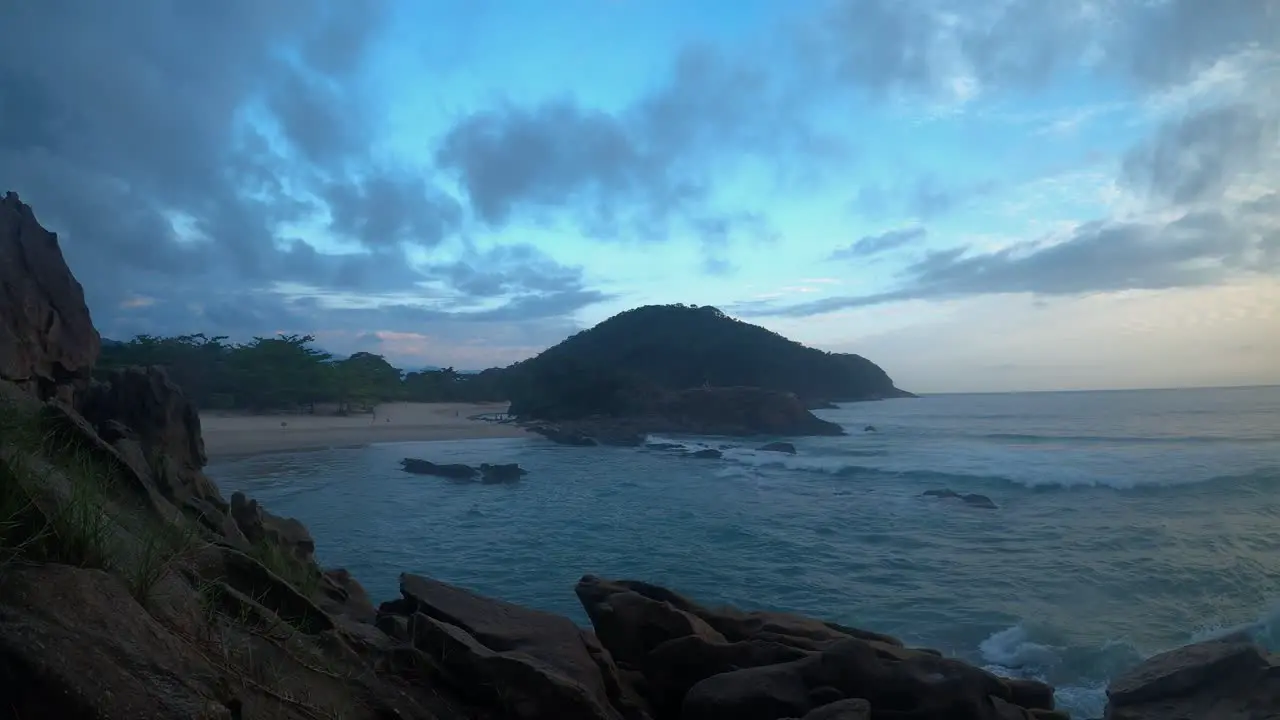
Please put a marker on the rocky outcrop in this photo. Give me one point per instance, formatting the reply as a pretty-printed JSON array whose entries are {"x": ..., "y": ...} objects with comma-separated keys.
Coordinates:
[
  {"x": 47, "y": 340},
  {"x": 141, "y": 406},
  {"x": 778, "y": 447},
  {"x": 705, "y": 664},
  {"x": 486, "y": 472},
  {"x": 1232, "y": 678},
  {"x": 725, "y": 411},
  {"x": 529, "y": 663}
]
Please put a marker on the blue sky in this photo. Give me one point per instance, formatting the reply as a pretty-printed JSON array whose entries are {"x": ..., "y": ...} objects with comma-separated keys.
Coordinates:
[{"x": 976, "y": 195}]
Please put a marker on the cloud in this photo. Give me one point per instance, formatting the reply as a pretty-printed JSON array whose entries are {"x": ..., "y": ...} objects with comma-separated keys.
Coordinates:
[
  {"x": 1194, "y": 250},
  {"x": 203, "y": 159},
  {"x": 1196, "y": 157},
  {"x": 869, "y": 245},
  {"x": 638, "y": 173}
]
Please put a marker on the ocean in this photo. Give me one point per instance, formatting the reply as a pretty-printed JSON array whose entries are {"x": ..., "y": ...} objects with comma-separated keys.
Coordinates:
[{"x": 1128, "y": 522}]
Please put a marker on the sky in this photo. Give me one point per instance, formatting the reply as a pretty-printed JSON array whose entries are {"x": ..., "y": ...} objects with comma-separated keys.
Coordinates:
[{"x": 978, "y": 195}]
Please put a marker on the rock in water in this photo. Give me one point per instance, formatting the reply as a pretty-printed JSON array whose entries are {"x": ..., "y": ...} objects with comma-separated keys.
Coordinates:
[
  {"x": 706, "y": 454},
  {"x": 779, "y": 447},
  {"x": 501, "y": 473},
  {"x": 47, "y": 339},
  {"x": 1206, "y": 680},
  {"x": 426, "y": 467}
]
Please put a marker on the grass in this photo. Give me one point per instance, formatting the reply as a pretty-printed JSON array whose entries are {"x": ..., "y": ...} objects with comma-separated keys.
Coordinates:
[{"x": 304, "y": 577}]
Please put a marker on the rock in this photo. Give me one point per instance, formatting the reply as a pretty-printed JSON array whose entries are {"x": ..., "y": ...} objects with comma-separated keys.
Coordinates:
[
  {"x": 814, "y": 404},
  {"x": 75, "y": 644},
  {"x": 452, "y": 471},
  {"x": 631, "y": 625},
  {"x": 851, "y": 709},
  {"x": 48, "y": 344},
  {"x": 741, "y": 411},
  {"x": 1030, "y": 694},
  {"x": 543, "y": 660},
  {"x": 562, "y": 436},
  {"x": 972, "y": 499},
  {"x": 944, "y": 493},
  {"x": 260, "y": 526},
  {"x": 759, "y": 693},
  {"x": 737, "y": 625},
  {"x": 161, "y": 420},
  {"x": 664, "y": 446},
  {"x": 870, "y": 428},
  {"x": 521, "y": 689},
  {"x": 1233, "y": 679},
  {"x": 981, "y": 501},
  {"x": 675, "y": 666},
  {"x": 706, "y": 454},
  {"x": 779, "y": 447},
  {"x": 344, "y": 595},
  {"x": 503, "y": 473}
]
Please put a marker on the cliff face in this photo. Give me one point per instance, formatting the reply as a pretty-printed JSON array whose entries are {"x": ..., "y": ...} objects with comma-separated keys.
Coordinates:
[
  {"x": 47, "y": 340},
  {"x": 131, "y": 590}
]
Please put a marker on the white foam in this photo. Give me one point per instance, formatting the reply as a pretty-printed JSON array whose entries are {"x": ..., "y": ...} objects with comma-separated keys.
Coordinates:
[{"x": 1013, "y": 648}]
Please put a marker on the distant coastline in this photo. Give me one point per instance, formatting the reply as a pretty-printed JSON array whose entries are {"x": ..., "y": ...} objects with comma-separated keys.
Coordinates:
[{"x": 237, "y": 434}]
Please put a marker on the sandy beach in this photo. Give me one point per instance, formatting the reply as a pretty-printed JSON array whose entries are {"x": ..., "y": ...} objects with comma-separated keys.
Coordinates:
[{"x": 237, "y": 434}]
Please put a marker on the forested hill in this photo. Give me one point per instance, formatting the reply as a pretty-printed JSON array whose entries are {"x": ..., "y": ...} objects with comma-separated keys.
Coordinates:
[{"x": 675, "y": 347}]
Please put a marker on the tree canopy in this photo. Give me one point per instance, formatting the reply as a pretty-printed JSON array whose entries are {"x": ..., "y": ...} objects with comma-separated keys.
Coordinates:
[{"x": 288, "y": 372}]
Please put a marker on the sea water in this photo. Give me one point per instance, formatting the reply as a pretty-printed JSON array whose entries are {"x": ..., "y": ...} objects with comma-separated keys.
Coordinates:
[{"x": 1128, "y": 523}]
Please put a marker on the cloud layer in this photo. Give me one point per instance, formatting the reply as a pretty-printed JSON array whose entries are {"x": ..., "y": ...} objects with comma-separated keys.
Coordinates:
[{"x": 222, "y": 170}]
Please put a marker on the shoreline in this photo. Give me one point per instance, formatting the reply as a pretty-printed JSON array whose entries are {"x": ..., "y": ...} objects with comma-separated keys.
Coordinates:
[{"x": 233, "y": 435}]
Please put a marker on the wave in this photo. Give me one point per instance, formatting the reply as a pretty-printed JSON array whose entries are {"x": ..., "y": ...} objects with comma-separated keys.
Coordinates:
[
  {"x": 1128, "y": 439},
  {"x": 1081, "y": 675}
]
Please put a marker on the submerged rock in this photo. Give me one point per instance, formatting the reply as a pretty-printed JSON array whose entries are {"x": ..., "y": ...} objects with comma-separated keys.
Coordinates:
[
  {"x": 973, "y": 499},
  {"x": 780, "y": 447},
  {"x": 706, "y": 454}
]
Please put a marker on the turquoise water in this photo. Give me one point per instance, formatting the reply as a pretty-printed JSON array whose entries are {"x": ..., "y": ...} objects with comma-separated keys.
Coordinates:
[{"x": 1128, "y": 523}]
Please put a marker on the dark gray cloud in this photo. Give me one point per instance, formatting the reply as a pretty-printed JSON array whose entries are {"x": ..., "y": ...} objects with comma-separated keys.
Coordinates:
[
  {"x": 639, "y": 173},
  {"x": 181, "y": 154},
  {"x": 870, "y": 245},
  {"x": 1196, "y": 157},
  {"x": 1197, "y": 249}
]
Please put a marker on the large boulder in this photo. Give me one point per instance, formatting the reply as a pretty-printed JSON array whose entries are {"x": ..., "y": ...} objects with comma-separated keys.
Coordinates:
[
  {"x": 141, "y": 405},
  {"x": 702, "y": 663},
  {"x": 74, "y": 644},
  {"x": 1221, "y": 679},
  {"x": 543, "y": 664},
  {"x": 48, "y": 344}
]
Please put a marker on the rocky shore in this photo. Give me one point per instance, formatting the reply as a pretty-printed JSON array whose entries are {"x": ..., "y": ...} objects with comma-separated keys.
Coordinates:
[{"x": 131, "y": 589}]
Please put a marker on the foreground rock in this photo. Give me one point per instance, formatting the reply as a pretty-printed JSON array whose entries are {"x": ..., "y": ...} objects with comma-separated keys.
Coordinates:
[
  {"x": 528, "y": 663},
  {"x": 487, "y": 473},
  {"x": 47, "y": 340},
  {"x": 1225, "y": 679},
  {"x": 703, "y": 664}
]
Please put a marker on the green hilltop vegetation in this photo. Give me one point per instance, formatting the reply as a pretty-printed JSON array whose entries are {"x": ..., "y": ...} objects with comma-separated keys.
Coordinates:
[
  {"x": 617, "y": 367},
  {"x": 610, "y": 369}
]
